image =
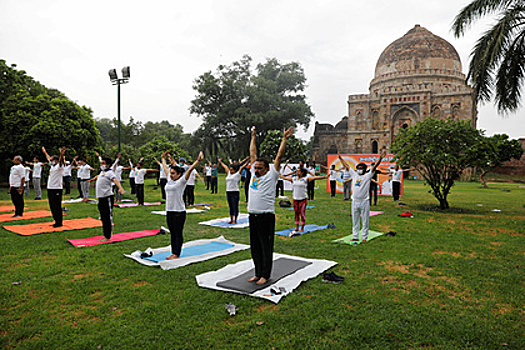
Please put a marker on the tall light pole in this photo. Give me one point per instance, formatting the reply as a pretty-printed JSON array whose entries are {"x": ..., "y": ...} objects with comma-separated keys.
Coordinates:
[{"x": 115, "y": 80}]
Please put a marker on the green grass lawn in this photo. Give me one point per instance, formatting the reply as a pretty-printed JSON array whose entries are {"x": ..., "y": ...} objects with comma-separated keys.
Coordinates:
[{"x": 447, "y": 280}]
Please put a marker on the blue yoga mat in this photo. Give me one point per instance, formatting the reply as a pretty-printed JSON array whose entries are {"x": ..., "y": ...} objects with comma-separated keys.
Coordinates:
[
  {"x": 307, "y": 228},
  {"x": 225, "y": 223},
  {"x": 193, "y": 251},
  {"x": 307, "y": 207}
]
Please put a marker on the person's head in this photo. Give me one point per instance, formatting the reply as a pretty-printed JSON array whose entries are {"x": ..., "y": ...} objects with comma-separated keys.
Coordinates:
[
  {"x": 175, "y": 172},
  {"x": 332, "y": 167},
  {"x": 139, "y": 165},
  {"x": 373, "y": 163},
  {"x": 234, "y": 168},
  {"x": 188, "y": 162},
  {"x": 36, "y": 159},
  {"x": 301, "y": 163},
  {"x": 104, "y": 163},
  {"x": 81, "y": 161},
  {"x": 182, "y": 161},
  {"x": 300, "y": 172},
  {"x": 67, "y": 162},
  {"x": 261, "y": 166},
  {"x": 396, "y": 167},
  {"x": 53, "y": 160},
  {"x": 360, "y": 168},
  {"x": 18, "y": 160}
]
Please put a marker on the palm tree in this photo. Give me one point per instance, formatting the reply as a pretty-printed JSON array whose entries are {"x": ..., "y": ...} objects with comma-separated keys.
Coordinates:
[{"x": 497, "y": 66}]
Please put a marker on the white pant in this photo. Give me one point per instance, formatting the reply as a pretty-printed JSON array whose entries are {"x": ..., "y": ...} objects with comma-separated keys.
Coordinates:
[
  {"x": 360, "y": 210},
  {"x": 84, "y": 185}
]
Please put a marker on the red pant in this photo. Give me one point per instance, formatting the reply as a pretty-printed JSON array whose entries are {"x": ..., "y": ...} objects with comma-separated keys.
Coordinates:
[{"x": 299, "y": 207}]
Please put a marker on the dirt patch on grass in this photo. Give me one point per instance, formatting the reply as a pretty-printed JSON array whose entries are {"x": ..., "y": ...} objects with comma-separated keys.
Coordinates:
[
  {"x": 497, "y": 243},
  {"x": 440, "y": 252},
  {"x": 141, "y": 284},
  {"x": 267, "y": 308}
]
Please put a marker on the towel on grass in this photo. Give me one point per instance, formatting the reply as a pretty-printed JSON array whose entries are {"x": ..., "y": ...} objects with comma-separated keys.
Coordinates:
[
  {"x": 192, "y": 252},
  {"x": 44, "y": 227},
  {"x": 372, "y": 213},
  {"x": 118, "y": 237},
  {"x": 348, "y": 239},
  {"x": 307, "y": 229},
  {"x": 27, "y": 215},
  {"x": 242, "y": 222},
  {"x": 128, "y": 205}
]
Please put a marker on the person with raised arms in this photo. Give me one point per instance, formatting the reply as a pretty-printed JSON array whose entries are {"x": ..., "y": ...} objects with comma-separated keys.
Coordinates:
[
  {"x": 140, "y": 173},
  {"x": 175, "y": 209},
  {"x": 233, "y": 175},
  {"x": 261, "y": 207},
  {"x": 54, "y": 184},
  {"x": 84, "y": 174},
  {"x": 37, "y": 175}
]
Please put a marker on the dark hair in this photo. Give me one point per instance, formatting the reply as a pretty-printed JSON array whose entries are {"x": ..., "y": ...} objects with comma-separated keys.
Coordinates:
[
  {"x": 361, "y": 165},
  {"x": 235, "y": 167},
  {"x": 303, "y": 172},
  {"x": 54, "y": 157},
  {"x": 38, "y": 159},
  {"x": 177, "y": 169},
  {"x": 107, "y": 160},
  {"x": 266, "y": 164}
]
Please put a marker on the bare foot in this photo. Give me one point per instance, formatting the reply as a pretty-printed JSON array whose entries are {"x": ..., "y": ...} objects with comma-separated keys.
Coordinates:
[
  {"x": 235, "y": 222},
  {"x": 104, "y": 239},
  {"x": 354, "y": 240},
  {"x": 363, "y": 241},
  {"x": 261, "y": 281},
  {"x": 253, "y": 279},
  {"x": 172, "y": 256},
  {"x": 229, "y": 223}
]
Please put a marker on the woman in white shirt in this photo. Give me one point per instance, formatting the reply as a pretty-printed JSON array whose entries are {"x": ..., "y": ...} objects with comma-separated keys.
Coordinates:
[
  {"x": 175, "y": 209},
  {"x": 300, "y": 196},
  {"x": 233, "y": 175}
]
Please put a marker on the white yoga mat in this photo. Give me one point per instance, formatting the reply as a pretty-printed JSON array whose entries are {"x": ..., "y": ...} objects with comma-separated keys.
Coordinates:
[
  {"x": 188, "y": 211},
  {"x": 242, "y": 222},
  {"x": 288, "y": 283},
  {"x": 173, "y": 264}
]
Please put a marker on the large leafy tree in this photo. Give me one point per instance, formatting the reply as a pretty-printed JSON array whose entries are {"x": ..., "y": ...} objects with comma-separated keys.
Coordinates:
[
  {"x": 497, "y": 66},
  {"x": 233, "y": 99},
  {"x": 295, "y": 150},
  {"x": 441, "y": 149}
]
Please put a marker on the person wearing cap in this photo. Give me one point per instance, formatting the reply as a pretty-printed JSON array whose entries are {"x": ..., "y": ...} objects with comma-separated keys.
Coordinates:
[{"x": 17, "y": 178}]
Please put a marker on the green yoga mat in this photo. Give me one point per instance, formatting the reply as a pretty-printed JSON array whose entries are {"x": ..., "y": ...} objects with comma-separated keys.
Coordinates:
[{"x": 348, "y": 239}]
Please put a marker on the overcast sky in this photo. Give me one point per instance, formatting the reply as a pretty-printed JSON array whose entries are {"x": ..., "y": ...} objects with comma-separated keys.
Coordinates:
[{"x": 70, "y": 45}]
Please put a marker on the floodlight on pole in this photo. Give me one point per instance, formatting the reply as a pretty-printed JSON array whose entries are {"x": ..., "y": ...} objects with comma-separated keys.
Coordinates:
[{"x": 116, "y": 81}]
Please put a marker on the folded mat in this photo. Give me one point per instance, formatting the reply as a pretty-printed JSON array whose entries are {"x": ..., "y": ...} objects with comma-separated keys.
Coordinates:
[
  {"x": 8, "y": 208},
  {"x": 242, "y": 222},
  {"x": 127, "y": 205},
  {"x": 118, "y": 237},
  {"x": 43, "y": 227},
  {"x": 192, "y": 252},
  {"x": 307, "y": 207},
  {"x": 348, "y": 239},
  {"x": 307, "y": 229},
  {"x": 27, "y": 215},
  {"x": 287, "y": 274},
  {"x": 372, "y": 213},
  {"x": 188, "y": 211}
]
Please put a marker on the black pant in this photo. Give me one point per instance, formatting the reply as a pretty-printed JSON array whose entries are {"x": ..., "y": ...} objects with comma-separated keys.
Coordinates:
[
  {"x": 214, "y": 184},
  {"x": 373, "y": 191},
  {"x": 262, "y": 231},
  {"x": 233, "y": 202},
  {"x": 311, "y": 190},
  {"x": 67, "y": 184},
  {"x": 18, "y": 201},
  {"x": 132, "y": 185},
  {"x": 247, "y": 184},
  {"x": 279, "y": 186},
  {"x": 333, "y": 187},
  {"x": 55, "y": 204},
  {"x": 79, "y": 187},
  {"x": 105, "y": 207},
  {"x": 175, "y": 221},
  {"x": 396, "y": 189},
  {"x": 208, "y": 182},
  {"x": 189, "y": 195},
  {"x": 140, "y": 193},
  {"x": 163, "y": 183}
]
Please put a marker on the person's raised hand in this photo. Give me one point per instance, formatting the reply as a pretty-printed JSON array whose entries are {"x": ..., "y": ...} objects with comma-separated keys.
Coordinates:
[{"x": 289, "y": 132}]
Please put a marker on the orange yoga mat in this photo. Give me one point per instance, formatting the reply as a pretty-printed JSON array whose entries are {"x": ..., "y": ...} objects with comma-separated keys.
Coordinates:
[
  {"x": 43, "y": 227},
  {"x": 27, "y": 215},
  {"x": 8, "y": 208}
]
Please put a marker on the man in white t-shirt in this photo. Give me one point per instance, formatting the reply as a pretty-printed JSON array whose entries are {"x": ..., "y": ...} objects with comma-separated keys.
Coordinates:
[
  {"x": 261, "y": 207},
  {"x": 84, "y": 174},
  {"x": 361, "y": 197},
  {"x": 27, "y": 174},
  {"x": 16, "y": 185},
  {"x": 54, "y": 185},
  {"x": 397, "y": 174},
  {"x": 189, "y": 191},
  {"x": 140, "y": 173},
  {"x": 37, "y": 175}
]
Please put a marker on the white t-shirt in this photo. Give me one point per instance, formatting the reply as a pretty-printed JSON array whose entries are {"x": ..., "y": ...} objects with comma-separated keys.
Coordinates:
[
  {"x": 300, "y": 188},
  {"x": 208, "y": 170},
  {"x": 27, "y": 173},
  {"x": 132, "y": 171},
  {"x": 37, "y": 170},
  {"x": 118, "y": 172},
  {"x": 346, "y": 174},
  {"x": 232, "y": 182},
  {"x": 104, "y": 183},
  {"x": 84, "y": 172},
  {"x": 174, "y": 191},
  {"x": 55, "y": 177},
  {"x": 162, "y": 173},
  {"x": 386, "y": 187},
  {"x": 396, "y": 175},
  {"x": 333, "y": 175},
  {"x": 191, "y": 180},
  {"x": 139, "y": 176},
  {"x": 16, "y": 175},
  {"x": 67, "y": 170},
  {"x": 361, "y": 185},
  {"x": 261, "y": 198}
]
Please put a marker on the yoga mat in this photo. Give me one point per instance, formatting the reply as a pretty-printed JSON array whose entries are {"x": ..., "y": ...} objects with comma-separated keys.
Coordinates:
[
  {"x": 199, "y": 205},
  {"x": 242, "y": 222},
  {"x": 193, "y": 251},
  {"x": 307, "y": 207},
  {"x": 119, "y": 237},
  {"x": 282, "y": 267},
  {"x": 372, "y": 213},
  {"x": 307, "y": 229},
  {"x": 202, "y": 251},
  {"x": 128, "y": 205},
  {"x": 288, "y": 283},
  {"x": 27, "y": 215},
  {"x": 348, "y": 239},
  {"x": 9, "y": 208},
  {"x": 188, "y": 211},
  {"x": 44, "y": 227}
]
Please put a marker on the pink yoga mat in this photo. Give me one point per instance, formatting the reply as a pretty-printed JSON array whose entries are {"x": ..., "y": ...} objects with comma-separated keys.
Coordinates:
[
  {"x": 87, "y": 242},
  {"x": 372, "y": 213},
  {"x": 127, "y": 205}
]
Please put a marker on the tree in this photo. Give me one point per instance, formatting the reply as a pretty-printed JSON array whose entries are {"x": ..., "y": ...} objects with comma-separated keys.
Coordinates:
[
  {"x": 440, "y": 149},
  {"x": 233, "y": 99},
  {"x": 497, "y": 66},
  {"x": 494, "y": 151},
  {"x": 156, "y": 147},
  {"x": 295, "y": 150}
]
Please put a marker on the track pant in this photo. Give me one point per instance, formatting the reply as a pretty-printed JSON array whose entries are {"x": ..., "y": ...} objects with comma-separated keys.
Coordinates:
[
  {"x": 55, "y": 204},
  {"x": 26, "y": 189},
  {"x": 175, "y": 221},
  {"x": 105, "y": 208},
  {"x": 396, "y": 189},
  {"x": 333, "y": 186},
  {"x": 373, "y": 192},
  {"x": 360, "y": 212},
  {"x": 299, "y": 208},
  {"x": 213, "y": 185},
  {"x": 233, "y": 202},
  {"x": 279, "y": 186},
  {"x": 18, "y": 201},
  {"x": 262, "y": 231},
  {"x": 132, "y": 184},
  {"x": 189, "y": 193},
  {"x": 139, "y": 188},
  {"x": 311, "y": 190},
  {"x": 84, "y": 185},
  {"x": 163, "y": 183},
  {"x": 67, "y": 184},
  {"x": 79, "y": 188},
  {"x": 36, "y": 185}
]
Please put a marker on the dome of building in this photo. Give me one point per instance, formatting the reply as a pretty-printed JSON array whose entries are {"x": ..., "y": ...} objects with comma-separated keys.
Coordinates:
[{"x": 418, "y": 52}]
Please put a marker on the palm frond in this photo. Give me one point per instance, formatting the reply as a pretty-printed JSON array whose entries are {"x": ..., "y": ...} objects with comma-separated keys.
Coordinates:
[
  {"x": 511, "y": 76},
  {"x": 477, "y": 9}
]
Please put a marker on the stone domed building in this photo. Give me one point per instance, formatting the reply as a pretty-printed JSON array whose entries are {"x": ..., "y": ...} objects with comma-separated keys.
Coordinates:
[{"x": 416, "y": 76}]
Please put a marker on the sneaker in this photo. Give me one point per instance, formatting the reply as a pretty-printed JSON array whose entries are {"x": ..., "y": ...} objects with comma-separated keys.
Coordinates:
[
  {"x": 38, "y": 199},
  {"x": 332, "y": 278}
]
